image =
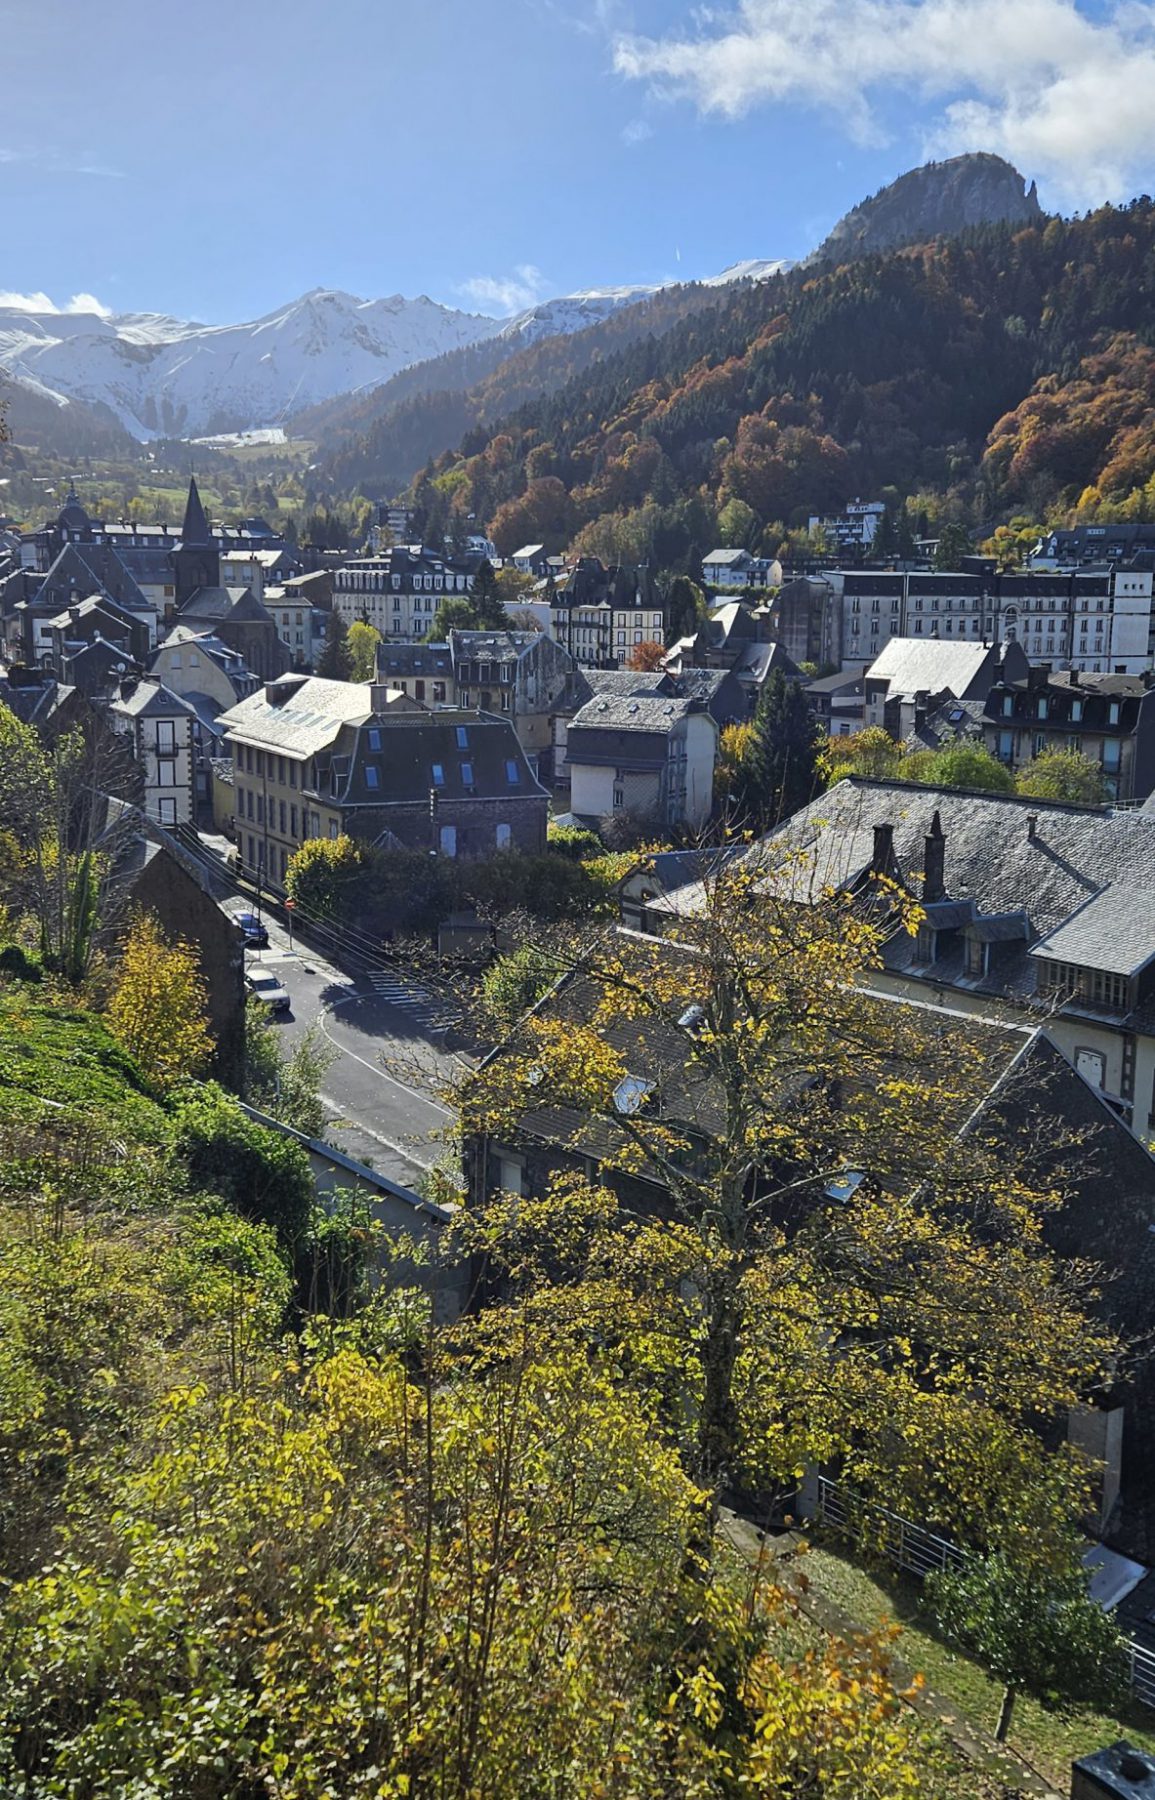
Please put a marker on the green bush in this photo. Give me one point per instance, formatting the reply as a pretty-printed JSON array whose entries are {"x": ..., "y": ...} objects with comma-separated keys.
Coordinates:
[
  {"x": 262, "y": 1175},
  {"x": 513, "y": 985},
  {"x": 18, "y": 965},
  {"x": 573, "y": 841}
]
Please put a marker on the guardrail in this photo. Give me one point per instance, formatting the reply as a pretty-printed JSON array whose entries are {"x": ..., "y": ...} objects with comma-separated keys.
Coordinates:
[{"x": 921, "y": 1552}]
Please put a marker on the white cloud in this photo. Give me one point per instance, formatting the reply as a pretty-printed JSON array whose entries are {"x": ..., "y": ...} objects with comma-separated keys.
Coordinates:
[
  {"x": 33, "y": 303},
  {"x": 506, "y": 294},
  {"x": 636, "y": 131},
  {"x": 41, "y": 303},
  {"x": 1064, "y": 96},
  {"x": 88, "y": 303}
]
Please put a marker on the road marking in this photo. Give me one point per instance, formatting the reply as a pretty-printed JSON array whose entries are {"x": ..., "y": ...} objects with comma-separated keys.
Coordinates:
[
  {"x": 401, "y": 1087},
  {"x": 378, "y": 1137}
]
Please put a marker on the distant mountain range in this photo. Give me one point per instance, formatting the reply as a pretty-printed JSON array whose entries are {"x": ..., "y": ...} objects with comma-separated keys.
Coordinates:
[
  {"x": 162, "y": 377},
  {"x": 330, "y": 363}
]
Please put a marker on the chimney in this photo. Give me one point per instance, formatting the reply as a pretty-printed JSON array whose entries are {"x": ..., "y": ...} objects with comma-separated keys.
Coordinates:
[
  {"x": 380, "y": 694},
  {"x": 882, "y": 862},
  {"x": 1032, "y": 826},
  {"x": 934, "y": 863}
]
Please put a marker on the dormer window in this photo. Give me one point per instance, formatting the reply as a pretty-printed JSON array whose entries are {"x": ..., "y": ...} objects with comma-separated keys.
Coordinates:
[
  {"x": 926, "y": 943},
  {"x": 1008, "y": 705},
  {"x": 1076, "y": 711},
  {"x": 1113, "y": 713},
  {"x": 1041, "y": 711}
]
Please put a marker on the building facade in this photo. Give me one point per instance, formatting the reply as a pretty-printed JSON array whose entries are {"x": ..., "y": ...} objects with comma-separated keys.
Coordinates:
[
  {"x": 1108, "y": 718},
  {"x": 316, "y": 758},
  {"x": 1099, "y": 620},
  {"x": 160, "y": 728},
  {"x": 645, "y": 756},
  {"x": 400, "y": 590}
]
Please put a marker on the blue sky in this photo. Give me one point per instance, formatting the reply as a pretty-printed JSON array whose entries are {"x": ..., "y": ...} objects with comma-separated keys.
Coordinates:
[{"x": 215, "y": 159}]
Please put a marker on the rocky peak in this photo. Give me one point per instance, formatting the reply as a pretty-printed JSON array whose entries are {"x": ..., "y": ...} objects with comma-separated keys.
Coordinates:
[{"x": 938, "y": 200}]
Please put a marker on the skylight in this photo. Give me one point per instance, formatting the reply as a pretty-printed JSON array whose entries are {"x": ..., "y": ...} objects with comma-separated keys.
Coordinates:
[{"x": 631, "y": 1094}]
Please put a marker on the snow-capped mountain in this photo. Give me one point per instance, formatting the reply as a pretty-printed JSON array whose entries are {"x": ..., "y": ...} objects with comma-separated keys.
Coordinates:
[
  {"x": 163, "y": 377},
  {"x": 166, "y": 377}
]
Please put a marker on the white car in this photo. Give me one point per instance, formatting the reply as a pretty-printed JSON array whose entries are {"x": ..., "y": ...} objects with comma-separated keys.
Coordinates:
[{"x": 264, "y": 985}]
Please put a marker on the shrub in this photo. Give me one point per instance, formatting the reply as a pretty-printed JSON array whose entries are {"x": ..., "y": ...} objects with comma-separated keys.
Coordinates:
[{"x": 261, "y": 1175}]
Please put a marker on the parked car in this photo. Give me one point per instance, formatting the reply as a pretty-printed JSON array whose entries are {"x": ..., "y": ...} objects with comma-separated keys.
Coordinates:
[
  {"x": 254, "y": 931},
  {"x": 264, "y": 985}
]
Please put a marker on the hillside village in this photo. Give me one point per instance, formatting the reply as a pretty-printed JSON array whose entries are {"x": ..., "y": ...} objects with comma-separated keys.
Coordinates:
[{"x": 537, "y": 1081}]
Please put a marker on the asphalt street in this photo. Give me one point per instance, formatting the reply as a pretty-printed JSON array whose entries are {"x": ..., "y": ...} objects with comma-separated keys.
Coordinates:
[{"x": 389, "y": 1071}]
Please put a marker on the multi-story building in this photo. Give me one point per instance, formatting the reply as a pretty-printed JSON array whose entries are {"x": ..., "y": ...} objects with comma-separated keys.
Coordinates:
[
  {"x": 1098, "y": 620},
  {"x": 643, "y": 755},
  {"x": 726, "y": 568},
  {"x": 600, "y": 615},
  {"x": 523, "y": 674},
  {"x": 911, "y": 675},
  {"x": 316, "y": 758},
  {"x": 160, "y": 727},
  {"x": 400, "y": 590},
  {"x": 296, "y": 618},
  {"x": 853, "y": 529},
  {"x": 1108, "y": 718}
]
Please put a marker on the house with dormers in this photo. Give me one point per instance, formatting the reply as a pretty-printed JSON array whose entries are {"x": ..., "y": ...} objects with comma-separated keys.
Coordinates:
[
  {"x": 318, "y": 758},
  {"x": 1108, "y": 718},
  {"x": 1032, "y": 911}
]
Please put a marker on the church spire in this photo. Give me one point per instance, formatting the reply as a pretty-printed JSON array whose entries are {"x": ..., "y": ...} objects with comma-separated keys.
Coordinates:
[{"x": 195, "y": 529}]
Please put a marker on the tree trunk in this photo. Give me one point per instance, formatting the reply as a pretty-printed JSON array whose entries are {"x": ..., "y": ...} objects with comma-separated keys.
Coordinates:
[
  {"x": 1005, "y": 1711},
  {"x": 718, "y": 1421}
]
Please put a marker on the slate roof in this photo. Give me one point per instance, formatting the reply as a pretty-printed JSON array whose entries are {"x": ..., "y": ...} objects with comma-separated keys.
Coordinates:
[
  {"x": 918, "y": 665},
  {"x": 150, "y": 700},
  {"x": 644, "y": 713},
  {"x": 993, "y": 856},
  {"x": 305, "y": 722},
  {"x": 478, "y": 754},
  {"x": 492, "y": 646},
  {"x": 726, "y": 558},
  {"x": 589, "y": 684},
  {"x": 1113, "y": 931},
  {"x": 407, "y": 660},
  {"x": 97, "y": 605},
  {"x": 231, "y": 605}
]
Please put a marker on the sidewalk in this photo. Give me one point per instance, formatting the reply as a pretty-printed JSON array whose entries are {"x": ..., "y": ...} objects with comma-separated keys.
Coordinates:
[{"x": 975, "y": 1745}]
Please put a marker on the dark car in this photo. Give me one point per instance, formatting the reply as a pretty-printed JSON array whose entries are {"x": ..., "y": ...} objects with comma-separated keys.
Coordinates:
[{"x": 254, "y": 931}]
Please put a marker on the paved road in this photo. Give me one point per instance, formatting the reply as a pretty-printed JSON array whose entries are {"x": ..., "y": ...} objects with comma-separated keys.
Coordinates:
[{"x": 386, "y": 1083}]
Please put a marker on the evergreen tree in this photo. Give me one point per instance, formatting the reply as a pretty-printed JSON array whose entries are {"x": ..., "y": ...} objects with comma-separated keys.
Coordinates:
[
  {"x": 336, "y": 660},
  {"x": 778, "y": 772},
  {"x": 488, "y": 605},
  {"x": 685, "y": 607}
]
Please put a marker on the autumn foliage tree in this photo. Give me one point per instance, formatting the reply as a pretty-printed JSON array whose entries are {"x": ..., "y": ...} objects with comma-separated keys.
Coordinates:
[
  {"x": 159, "y": 1005},
  {"x": 739, "y": 1073}
]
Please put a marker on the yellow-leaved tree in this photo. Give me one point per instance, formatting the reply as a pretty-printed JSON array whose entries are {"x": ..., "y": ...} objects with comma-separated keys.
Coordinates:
[
  {"x": 159, "y": 1006},
  {"x": 810, "y": 1219}
]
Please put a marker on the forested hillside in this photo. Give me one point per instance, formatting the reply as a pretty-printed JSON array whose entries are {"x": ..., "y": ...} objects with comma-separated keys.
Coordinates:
[
  {"x": 377, "y": 441},
  {"x": 1004, "y": 369}
]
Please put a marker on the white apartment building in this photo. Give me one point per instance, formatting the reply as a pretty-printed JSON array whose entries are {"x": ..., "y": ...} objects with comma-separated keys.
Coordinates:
[
  {"x": 400, "y": 590},
  {"x": 1098, "y": 621},
  {"x": 159, "y": 725},
  {"x": 855, "y": 528}
]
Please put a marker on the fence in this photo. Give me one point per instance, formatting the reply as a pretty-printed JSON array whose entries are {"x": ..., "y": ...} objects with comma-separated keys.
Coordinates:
[
  {"x": 907, "y": 1545},
  {"x": 920, "y": 1552}
]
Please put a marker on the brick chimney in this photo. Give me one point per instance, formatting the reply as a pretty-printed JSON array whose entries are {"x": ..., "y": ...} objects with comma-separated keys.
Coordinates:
[{"x": 934, "y": 863}]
